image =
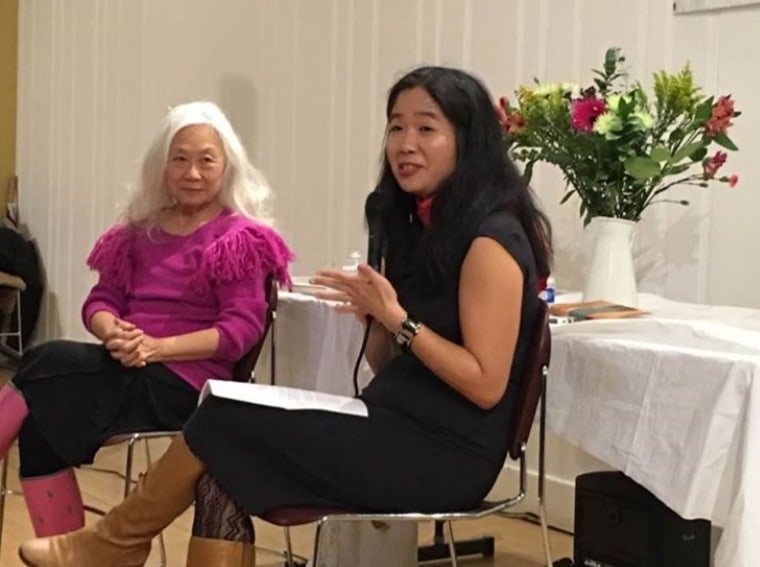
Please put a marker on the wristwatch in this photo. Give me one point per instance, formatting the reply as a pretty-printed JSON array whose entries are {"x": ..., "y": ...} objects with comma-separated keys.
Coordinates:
[{"x": 407, "y": 331}]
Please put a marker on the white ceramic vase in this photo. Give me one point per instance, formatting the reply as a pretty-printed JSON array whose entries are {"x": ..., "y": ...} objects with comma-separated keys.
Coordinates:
[{"x": 611, "y": 275}]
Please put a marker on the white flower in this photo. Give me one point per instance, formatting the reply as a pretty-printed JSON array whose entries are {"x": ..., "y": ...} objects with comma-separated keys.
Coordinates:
[{"x": 608, "y": 124}]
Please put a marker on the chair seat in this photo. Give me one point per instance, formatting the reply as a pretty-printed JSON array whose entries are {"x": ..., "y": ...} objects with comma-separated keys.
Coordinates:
[{"x": 298, "y": 516}]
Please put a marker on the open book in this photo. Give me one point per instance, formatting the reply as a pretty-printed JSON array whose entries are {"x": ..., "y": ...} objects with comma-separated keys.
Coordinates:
[
  {"x": 283, "y": 397},
  {"x": 595, "y": 310}
]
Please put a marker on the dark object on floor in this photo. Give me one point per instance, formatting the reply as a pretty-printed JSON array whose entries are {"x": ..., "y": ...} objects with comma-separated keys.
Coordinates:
[
  {"x": 439, "y": 549},
  {"x": 618, "y": 523},
  {"x": 564, "y": 562}
]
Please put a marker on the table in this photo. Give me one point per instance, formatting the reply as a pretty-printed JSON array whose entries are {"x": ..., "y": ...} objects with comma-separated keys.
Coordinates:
[{"x": 673, "y": 401}]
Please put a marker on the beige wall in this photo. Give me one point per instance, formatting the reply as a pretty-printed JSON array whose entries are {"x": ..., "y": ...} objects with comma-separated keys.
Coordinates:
[
  {"x": 8, "y": 64},
  {"x": 304, "y": 82}
]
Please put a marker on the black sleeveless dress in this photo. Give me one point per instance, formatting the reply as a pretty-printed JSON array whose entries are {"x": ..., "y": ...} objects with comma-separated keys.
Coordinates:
[{"x": 424, "y": 447}]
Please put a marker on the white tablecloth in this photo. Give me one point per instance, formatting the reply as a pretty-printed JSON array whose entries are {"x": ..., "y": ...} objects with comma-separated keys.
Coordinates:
[
  {"x": 316, "y": 348},
  {"x": 672, "y": 400}
]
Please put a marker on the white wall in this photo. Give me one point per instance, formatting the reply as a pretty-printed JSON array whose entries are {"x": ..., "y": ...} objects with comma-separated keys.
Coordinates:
[{"x": 304, "y": 82}]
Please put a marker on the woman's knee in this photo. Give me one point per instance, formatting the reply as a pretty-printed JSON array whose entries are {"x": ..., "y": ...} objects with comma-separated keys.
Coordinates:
[
  {"x": 36, "y": 456},
  {"x": 59, "y": 357}
]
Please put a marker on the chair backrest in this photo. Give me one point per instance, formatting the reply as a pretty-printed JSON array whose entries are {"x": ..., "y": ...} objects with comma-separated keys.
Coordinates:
[
  {"x": 244, "y": 367},
  {"x": 531, "y": 385}
]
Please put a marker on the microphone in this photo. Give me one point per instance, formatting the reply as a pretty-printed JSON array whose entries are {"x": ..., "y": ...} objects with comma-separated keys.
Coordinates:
[{"x": 376, "y": 209}]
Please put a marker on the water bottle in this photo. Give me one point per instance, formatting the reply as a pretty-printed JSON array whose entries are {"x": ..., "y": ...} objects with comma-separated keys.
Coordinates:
[
  {"x": 352, "y": 264},
  {"x": 550, "y": 291}
]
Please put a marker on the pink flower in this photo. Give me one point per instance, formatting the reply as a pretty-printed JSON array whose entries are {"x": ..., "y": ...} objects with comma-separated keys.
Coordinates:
[
  {"x": 733, "y": 180},
  {"x": 711, "y": 166},
  {"x": 720, "y": 120},
  {"x": 585, "y": 111}
]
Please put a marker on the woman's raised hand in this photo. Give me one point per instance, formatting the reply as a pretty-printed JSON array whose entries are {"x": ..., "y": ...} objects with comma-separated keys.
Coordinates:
[{"x": 364, "y": 292}]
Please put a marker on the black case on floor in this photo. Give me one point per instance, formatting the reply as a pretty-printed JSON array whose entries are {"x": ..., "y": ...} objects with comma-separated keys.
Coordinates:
[{"x": 618, "y": 523}]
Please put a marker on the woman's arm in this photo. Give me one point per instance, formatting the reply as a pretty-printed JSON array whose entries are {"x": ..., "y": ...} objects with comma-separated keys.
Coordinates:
[
  {"x": 103, "y": 324},
  {"x": 198, "y": 345},
  {"x": 490, "y": 300},
  {"x": 239, "y": 324}
]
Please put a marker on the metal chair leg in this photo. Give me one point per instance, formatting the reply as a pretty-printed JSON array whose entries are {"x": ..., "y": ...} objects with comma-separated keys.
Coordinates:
[
  {"x": 317, "y": 534},
  {"x": 128, "y": 467},
  {"x": 273, "y": 350},
  {"x": 452, "y": 544},
  {"x": 542, "y": 472},
  {"x": 18, "y": 324},
  {"x": 3, "y": 491},
  {"x": 289, "y": 546}
]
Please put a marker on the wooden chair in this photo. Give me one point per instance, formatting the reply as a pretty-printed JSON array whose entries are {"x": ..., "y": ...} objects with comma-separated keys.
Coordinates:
[{"x": 532, "y": 389}]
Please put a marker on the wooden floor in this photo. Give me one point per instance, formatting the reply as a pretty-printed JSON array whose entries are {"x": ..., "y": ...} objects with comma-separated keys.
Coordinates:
[{"x": 518, "y": 543}]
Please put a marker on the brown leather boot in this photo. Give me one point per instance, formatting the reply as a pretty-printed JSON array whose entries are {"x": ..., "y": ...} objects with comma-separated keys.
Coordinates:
[
  {"x": 220, "y": 553},
  {"x": 122, "y": 537}
]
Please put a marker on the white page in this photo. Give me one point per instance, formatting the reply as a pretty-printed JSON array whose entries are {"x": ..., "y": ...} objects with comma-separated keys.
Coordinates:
[{"x": 283, "y": 397}]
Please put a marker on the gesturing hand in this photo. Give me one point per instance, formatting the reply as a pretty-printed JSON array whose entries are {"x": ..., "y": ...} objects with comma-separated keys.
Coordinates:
[{"x": 365, "y": 292}]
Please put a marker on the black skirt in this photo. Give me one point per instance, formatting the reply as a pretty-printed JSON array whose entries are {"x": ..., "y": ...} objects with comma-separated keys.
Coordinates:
[
  {"x": 267, "y": 458},
  {"x": 79, "y": 396}
]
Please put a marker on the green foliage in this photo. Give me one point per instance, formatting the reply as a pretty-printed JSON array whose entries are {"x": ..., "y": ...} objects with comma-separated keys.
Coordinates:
[{"x": 617, "y": 149}]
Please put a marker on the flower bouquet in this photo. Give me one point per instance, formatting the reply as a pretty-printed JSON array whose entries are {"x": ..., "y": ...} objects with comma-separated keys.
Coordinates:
[{"x": 618, "y": 147}]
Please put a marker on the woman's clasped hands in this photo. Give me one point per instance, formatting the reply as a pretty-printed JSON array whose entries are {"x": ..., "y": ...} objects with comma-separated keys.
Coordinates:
[{"x": 129, "y": 344}]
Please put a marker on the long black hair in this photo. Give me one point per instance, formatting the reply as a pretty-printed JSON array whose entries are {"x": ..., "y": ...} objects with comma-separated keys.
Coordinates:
[{"x": 484, "y": 180}]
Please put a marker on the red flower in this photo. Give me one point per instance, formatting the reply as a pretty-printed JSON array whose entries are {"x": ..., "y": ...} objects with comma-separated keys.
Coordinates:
[
  {"x": 720, "y": 120},
  {"x": 711, "y": 166},
  {"x": 585, "y": 111},
  {"x": 733, "y": 180},
  {"x": 512, "y": 122}
]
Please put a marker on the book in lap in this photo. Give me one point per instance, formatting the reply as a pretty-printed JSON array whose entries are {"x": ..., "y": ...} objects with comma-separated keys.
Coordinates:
[
  {"x": 283, "y": 397},
  {"x": 595, "y": 310}
]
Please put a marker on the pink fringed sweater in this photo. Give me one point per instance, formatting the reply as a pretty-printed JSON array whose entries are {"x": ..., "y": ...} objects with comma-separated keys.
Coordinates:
[{"x": 170, "y": 285}]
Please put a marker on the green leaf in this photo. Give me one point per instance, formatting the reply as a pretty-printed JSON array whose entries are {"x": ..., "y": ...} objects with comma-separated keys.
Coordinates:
[
  {"x": 686, "y": 151},
  {"x": 642, "y": 168},
  {"x": 660, "y": 153},
  {"x": 703, "y": 111},
  {"x": 676, "y": 169},
  {"x": 567, "y": 196},
  {"x": 528, "y": 172},
  {"x": 676, "y": 135},
  {"x": 699, "y": 155},
  {"x": 725, "y": 141}
]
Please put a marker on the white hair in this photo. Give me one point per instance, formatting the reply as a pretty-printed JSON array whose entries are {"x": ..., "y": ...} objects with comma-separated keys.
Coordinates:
[{"x": 244, "y": 188}]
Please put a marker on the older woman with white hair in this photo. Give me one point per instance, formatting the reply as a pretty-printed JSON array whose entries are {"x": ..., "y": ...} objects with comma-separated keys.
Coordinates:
[{"x": 179, "y": 299}]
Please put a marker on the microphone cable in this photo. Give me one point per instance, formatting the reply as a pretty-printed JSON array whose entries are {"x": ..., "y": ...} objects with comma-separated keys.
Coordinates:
[{"x": 361, "y": 354}]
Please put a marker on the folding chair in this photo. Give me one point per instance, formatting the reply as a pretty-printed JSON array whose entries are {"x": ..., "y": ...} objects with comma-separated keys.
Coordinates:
[
  {"x": 532, "y": 388},
  {"x": 243, "y": 372},
  {"x": 10, "y": 300}
]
